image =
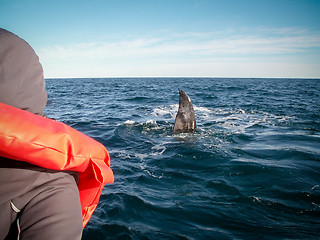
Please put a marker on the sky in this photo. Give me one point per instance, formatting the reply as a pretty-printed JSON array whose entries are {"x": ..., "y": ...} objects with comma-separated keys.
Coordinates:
[{"x": 170, "y": 38}]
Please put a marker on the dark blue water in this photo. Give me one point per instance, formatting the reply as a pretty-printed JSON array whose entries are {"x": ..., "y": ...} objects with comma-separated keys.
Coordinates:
[{"x": 251, "y": 171}]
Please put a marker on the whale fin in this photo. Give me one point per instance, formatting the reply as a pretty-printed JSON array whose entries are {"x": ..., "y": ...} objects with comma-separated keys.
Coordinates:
[{"x": 185, "y": 119}]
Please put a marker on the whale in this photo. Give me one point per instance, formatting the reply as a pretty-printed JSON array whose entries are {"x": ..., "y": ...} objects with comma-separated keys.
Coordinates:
[{"x": 185, "y": 121}]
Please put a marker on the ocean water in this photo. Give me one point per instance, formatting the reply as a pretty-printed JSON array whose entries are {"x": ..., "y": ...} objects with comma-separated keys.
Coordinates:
[{"x": 250, "y": 171}]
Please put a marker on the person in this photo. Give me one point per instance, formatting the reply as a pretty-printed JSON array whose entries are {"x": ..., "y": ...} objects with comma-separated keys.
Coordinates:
[{"x": 51, "y": 176}]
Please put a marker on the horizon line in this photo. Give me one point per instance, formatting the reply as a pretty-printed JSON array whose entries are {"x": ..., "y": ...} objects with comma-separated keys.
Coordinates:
[{"x": 126, "y": 77}]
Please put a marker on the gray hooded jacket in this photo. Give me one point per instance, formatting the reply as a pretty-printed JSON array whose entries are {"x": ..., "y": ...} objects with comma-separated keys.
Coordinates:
[
  {"x": 21, "y": 75},
  {"x": 44, "y": 204}
]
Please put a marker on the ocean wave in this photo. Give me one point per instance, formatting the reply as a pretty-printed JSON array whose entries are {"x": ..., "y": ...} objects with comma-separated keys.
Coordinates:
[{"x": 250, "y": 171}]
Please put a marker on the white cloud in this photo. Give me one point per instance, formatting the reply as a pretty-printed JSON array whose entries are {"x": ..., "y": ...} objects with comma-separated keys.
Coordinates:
[
  {"x": 154, "y": 47},
  {"x": 178, "y": 54}
]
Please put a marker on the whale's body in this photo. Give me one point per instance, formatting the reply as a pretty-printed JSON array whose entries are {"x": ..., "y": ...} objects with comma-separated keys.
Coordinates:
[{"x": 185, "y": 119}]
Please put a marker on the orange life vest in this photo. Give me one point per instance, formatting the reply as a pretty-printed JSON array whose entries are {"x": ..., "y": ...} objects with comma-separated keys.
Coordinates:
[{"x": 49, "y": 144}]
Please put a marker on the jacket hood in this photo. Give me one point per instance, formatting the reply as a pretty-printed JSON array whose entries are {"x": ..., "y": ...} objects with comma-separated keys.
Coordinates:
[{"x": 21, "y": 75}]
